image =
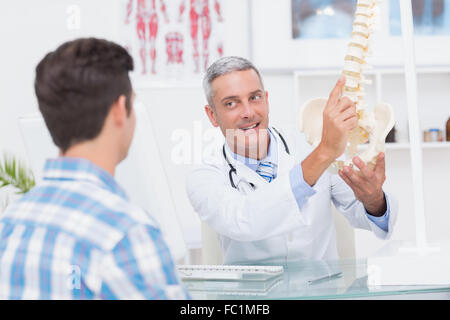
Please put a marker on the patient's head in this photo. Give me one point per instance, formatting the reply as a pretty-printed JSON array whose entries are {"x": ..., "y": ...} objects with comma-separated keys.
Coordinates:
[{"x": 85, "y": 94}]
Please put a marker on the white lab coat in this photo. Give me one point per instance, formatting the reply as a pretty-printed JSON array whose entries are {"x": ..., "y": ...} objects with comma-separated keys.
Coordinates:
[{"x": 266, "y": 223}]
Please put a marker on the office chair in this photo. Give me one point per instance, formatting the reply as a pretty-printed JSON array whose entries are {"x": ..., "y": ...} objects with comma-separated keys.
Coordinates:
[
  {"x": 345, "y": 235},
  {"x": 211, "y": 250}
]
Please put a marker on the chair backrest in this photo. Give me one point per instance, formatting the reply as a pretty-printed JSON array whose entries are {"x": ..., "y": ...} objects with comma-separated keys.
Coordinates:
[
  {"x": 345, "y": 235},
  {"x": 211, "y": 249},
  {"x": 345, "y": 240}
]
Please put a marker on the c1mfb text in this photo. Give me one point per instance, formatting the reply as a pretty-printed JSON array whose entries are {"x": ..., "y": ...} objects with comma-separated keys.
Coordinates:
[{"x": 228, "y": 309}]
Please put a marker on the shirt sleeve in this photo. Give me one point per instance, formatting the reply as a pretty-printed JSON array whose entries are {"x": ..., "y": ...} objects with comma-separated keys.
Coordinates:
[
  {"x": 140, "y": 266},
  {"x": 301, "y": 190},
  {"x": 383, "y": 221}
]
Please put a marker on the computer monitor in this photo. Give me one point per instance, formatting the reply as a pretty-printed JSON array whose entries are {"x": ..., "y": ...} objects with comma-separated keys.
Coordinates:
[{"x": 141, "y": 174}]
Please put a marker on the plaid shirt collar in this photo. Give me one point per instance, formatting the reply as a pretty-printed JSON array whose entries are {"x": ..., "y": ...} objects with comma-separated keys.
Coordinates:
[{"x": 79, "y": 169}]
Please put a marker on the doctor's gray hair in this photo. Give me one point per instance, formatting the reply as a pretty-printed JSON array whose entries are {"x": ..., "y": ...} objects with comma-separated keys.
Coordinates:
[{"x": 223, "y": 66}]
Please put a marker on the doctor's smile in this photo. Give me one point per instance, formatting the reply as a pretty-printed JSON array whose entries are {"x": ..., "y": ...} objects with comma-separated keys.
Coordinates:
[{"x": 249, "y": 127}]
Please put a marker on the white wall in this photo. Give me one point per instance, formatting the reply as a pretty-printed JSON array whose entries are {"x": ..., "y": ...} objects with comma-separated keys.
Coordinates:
[{"x": 29, "y": 29}]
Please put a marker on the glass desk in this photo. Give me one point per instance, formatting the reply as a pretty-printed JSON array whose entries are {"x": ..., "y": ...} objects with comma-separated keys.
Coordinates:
[{"x": 293, "y": 284}]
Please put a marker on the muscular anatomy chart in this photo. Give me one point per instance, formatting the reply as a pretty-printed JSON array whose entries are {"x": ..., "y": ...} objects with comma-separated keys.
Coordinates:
[
  {"x": 172, "y": 37},
  {"x": 200, "y": 18},
  {"x": 146, "y": 28}
]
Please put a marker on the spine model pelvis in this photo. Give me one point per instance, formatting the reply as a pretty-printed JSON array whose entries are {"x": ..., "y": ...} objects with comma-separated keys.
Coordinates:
[{"x": 373, "y": 127}]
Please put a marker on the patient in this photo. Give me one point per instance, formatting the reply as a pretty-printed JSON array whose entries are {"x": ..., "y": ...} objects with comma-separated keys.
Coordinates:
[{"x": 76, "y": 235}]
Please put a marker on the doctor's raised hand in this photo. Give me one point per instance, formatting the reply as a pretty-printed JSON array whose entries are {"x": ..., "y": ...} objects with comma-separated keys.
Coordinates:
[{"x": 339, "y": 118}]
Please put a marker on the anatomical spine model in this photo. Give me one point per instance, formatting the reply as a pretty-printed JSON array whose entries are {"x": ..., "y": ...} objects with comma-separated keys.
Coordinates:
[{"x": 372, "y": 126}]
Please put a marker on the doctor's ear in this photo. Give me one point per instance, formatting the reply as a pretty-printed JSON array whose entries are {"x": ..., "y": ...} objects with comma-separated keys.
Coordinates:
[{"x": 211, "y": 113}]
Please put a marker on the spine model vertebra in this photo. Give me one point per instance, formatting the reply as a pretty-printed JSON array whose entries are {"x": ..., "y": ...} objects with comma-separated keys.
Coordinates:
[{"x": 359, "y": 49}]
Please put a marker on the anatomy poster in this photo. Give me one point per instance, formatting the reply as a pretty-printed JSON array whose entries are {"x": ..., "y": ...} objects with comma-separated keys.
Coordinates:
[{"x": 172, "y": 39}]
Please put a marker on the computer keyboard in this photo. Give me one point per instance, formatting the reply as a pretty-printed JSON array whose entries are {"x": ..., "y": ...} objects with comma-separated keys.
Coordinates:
[{"x": 228, "y": 272}]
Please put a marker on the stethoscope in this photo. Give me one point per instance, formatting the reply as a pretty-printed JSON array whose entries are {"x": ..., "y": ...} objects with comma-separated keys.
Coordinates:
[{"x": 233, "y": 169}]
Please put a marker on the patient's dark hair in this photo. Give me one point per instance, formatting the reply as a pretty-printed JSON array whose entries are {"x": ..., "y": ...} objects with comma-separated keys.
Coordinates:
[{"x": 76, "y": 86}]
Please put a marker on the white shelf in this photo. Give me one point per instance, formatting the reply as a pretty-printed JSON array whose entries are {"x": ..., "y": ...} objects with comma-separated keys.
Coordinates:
[
  {"x": 388, "y": 86},
  {"x": 435, "y": 145},
  {"x": 406, "y": 146},
  {"x": 397, "y": 146},
  {"x": 374, "y": 71}
]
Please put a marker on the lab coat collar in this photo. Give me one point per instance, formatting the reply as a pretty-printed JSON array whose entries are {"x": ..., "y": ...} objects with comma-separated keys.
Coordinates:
[{"x": 285, "y": 160}]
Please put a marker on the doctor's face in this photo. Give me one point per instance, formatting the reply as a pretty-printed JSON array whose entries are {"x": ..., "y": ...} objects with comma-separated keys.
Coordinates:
[{"x": 241, "y": 110}]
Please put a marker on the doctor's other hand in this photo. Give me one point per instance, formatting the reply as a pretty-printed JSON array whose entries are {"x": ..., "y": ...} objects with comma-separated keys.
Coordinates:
[
  {"x": 339, "y": 118},
  {"x": 367, "y": 184}
]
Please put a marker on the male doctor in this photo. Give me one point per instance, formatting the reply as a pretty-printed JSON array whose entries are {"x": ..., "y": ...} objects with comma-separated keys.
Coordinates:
[{"x": 268, "y": 195}]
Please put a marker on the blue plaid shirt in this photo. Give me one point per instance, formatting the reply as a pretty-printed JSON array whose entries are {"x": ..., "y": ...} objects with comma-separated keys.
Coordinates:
[{"x": 76, "y": 236}]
